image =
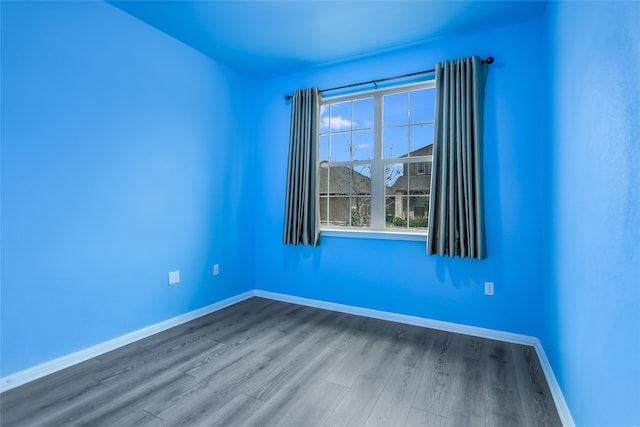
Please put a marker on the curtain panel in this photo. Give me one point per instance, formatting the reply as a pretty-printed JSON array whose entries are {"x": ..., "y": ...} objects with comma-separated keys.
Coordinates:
[
  {"x": 456, "y": 211},
  {"x": 302, "y": 213}
]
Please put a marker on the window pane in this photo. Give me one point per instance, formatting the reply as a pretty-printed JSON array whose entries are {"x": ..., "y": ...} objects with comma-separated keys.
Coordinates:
[
  {"x": 421, "y": 138},
  {"x": 396, "y": 109},
  {"x": 348, "y": 180},
  {"x": 361, "y": 180},
  {"x": 397, "y": 179},
  {"x": 363, "y": 114},
  {"x": 389, "y": 210},
  {"x": 324, "y": 119},
  {"x": 396, "y": 212},
  {"x": 418, "y": 212},
  {"x": 323, "y": 181},
  {"x": 392, "y": 173},
  {"x": 324, "y": 212},
  {"x": 395, "y": 195},
  {"x": 341, "y": 147},
  {"x": 340, "y": 116},
  {"x": 363, "y": 145},
  {"x": 395, "y": 142},
  {"x": 339, "y": 181},
  {"x": 338, "y": 211},
  {"x": 349, "y": 201},
  {"x": 324, "y": 148},
  {"x": 360, "y": 211},
  {"x": 407, "y": 195},
  {"x": 419, "y": 184},
  {"x": 422, "y": 105}
]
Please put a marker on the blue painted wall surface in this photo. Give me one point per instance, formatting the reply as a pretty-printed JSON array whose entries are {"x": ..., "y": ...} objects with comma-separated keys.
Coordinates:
[
  {"x": 120, "y": 163},
  {"x": 398, "y": 276},
  {"x": 126, "y": 154},
  {"x": 596, "y": 274}
]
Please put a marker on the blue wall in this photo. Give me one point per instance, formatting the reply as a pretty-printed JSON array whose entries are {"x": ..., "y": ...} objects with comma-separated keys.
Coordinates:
[
  {"x": 398, "y": 276},
  {"x": 595, "y": 64},
  {"x": 120, "y": 163},
  {"x": 126, "y": 154}
]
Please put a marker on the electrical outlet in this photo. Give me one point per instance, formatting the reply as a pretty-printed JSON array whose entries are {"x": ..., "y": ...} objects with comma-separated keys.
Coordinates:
[
  {"x": 174, "y": 277},
  {"x": 216, "y": 269},
  {"x": 488, "y": 288}
]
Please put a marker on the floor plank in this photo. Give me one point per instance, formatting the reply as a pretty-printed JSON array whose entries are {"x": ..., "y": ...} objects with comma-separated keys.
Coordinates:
[
  {"x": 315, "y": 407},
  {"x": 537, "y": 403},
  {"x": 393, "y": 405},
  {"x": 235, "y": 412},
  {"x": 268, "y": 363},
  {"x": 437, "y": 378},
  {"x": 362, "y": 396},
  {"x": 467, "y": 394},
  {"x": 419, "y": 418},
  {"x": 289, "y": 394},
  {"x": 503, "y": 403}
]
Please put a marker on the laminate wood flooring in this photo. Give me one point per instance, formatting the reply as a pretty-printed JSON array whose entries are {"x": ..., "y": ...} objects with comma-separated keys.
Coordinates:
[{"x": 267, "y": 363}]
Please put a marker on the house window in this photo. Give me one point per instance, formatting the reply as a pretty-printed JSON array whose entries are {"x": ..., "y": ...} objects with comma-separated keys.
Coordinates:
[{"x": 375, "y": 159}]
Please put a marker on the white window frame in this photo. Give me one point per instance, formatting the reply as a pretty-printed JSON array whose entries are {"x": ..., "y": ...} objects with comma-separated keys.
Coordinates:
[{"x": 377, "y": 229}]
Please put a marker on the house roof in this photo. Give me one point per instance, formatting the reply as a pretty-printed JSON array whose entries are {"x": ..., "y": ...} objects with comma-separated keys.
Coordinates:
[
  {"x": 414, "y": 183},
  {"x": 339, "y": 178},
  {"x": 420, "y": 184},
  {"x": 424, "y": 151}
]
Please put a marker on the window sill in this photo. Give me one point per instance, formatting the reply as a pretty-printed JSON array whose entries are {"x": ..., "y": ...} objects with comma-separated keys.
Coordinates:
[{"x": 377, "y": 234}]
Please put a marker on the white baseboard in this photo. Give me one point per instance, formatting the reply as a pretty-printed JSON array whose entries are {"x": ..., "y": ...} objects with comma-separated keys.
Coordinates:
[
  {"x": 556, "y": 392},
  {"x": 403, "y": 318},
  {"x": 39, "y": 371},
  {"x": 554, "y": 386},
  {"x": 52, "y": 366}
]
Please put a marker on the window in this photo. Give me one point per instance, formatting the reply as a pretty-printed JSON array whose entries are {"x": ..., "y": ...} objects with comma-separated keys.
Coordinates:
[{"x": 375, "y": 159}]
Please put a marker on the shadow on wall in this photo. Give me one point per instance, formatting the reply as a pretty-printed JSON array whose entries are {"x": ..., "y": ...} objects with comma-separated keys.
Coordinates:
[{"x": 301, "y": 256}]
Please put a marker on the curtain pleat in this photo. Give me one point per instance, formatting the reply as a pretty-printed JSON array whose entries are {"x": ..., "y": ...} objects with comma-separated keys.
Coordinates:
[
  {"x": 456, "y": 210},
  {"x": 301, "y": 217}
]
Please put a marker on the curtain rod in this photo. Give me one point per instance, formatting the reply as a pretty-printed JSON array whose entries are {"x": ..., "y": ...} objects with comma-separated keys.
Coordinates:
[{"x": 489, "y": 60}]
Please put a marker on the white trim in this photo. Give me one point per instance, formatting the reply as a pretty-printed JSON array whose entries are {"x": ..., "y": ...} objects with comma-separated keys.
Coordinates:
[
  {"x": 31, "y": 374},
  {"x": 385, "y": 90},
  {"x": 373, "y": 234},
  {"x": 554, "y": 387},
  {"x": 378, "y": 163},
  {"x": 403, "y": 318},
  {"x": 39, "y": 371}
]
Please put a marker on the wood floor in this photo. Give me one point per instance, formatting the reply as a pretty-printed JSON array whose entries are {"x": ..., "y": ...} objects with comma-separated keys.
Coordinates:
[{"x": 268, "y": 363}]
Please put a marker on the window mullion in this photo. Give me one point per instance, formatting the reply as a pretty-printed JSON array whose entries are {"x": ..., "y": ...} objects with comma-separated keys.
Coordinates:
[{"x": 377, "y": 167}]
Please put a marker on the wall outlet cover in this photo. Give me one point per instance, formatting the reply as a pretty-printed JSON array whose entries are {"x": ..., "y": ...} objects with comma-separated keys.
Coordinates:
[
  {"x": 174, "y": 277},
  {"x": 488, "y": 288}
]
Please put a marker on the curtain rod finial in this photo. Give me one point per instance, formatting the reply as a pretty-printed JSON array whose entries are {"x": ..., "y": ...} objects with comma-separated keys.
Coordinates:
[
  {"x": 489, "y": 60},
  {"x": 288, "y": 97}
]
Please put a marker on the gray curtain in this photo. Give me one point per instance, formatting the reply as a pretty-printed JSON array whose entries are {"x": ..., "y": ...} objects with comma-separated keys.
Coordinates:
[
  {"x": 301, "y": 217},
  {"x": 456, "y": 211}
]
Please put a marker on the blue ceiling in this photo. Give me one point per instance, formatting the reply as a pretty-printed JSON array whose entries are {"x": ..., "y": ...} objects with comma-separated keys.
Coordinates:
[{"x": 269, "y": 38}]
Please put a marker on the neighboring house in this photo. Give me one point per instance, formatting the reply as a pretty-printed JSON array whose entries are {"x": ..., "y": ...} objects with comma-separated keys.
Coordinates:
[
  {"x": 409, "y": 194},
  {"x": 344, "y": 194}
]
